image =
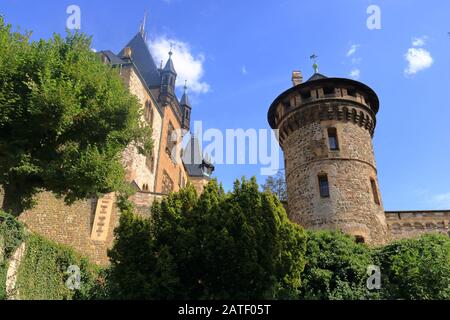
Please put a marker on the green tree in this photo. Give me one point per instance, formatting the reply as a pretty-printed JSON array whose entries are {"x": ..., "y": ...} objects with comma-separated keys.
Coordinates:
[
  {"x": 336, "y": 268},
  {"x": 277, "y": 185},
  {"x": 237, "y": 245},
  {"x": 416, "y": 269},
  {"x": 65, "y": 118}
]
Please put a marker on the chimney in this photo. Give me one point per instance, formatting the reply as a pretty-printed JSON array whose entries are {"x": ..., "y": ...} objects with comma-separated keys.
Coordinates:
[
  {"x": 127, "y": 53},
  {"x": 297, "y": 78}
]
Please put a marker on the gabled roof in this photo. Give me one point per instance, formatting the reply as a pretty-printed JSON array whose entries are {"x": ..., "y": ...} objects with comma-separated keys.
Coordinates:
[{"x": 142, "y": 58}]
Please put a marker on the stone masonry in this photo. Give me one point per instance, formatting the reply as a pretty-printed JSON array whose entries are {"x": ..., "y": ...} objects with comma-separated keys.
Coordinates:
[{"x": 305, "y": 115}]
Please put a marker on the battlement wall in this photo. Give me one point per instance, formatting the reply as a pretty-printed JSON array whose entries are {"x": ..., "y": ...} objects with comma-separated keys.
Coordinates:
[{"x": 411, "y": 224}]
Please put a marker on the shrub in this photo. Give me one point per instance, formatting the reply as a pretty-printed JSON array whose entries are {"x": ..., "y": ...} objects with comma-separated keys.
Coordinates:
[
  {"x": 239, "y": 245},
  {"x": 336, "y": 267},
  {"x": 416, "y": 269}
]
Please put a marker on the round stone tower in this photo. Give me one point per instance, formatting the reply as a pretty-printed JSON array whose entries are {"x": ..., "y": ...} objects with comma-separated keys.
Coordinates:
[{"x": 325, "y": 128}]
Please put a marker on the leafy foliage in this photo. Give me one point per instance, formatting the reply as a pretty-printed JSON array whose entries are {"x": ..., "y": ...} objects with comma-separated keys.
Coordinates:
[
  {"x": 65, "y": 118},
  {"x": 335, "y": 267},
  {"x": 12, "y": 234},
  {"x": 239, "y": 245},
  {"x": 416, "y": 269},
  {"x": 43, "y": 272}
]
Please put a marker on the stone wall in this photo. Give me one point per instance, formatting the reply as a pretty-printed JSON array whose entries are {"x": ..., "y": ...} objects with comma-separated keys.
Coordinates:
[
  {"x": 70, "y": 225},
  {"x": 143, "y": 201},
  {"x": 411, "y": 224},
  {"x": 74, "y": 225},
  {"x": 167, "y": 166},
  {"x": 137, "y": 166},
  {"x": 351, "y": 206},
  {"x": 199, "y": 183}
]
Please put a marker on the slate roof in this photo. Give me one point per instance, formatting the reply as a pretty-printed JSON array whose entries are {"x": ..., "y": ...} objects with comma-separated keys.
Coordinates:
[
  {"x": 113, "y": 59},
  {"x": 169, "y": 66},
  {"x": 193, "y": 160},
  {"x": 316, "y": 76},
  {"x": 185, "y": 100},
  {"x": 143, "y": 60}
]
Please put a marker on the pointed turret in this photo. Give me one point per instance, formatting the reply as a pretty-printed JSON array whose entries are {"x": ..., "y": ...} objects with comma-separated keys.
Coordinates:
[
  {"x": 186, "y": 108},
  {"x": 168, "y": 77}
]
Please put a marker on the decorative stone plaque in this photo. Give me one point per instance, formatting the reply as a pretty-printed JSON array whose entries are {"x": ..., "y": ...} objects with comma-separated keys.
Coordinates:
[{"x": 102, "y": 217}]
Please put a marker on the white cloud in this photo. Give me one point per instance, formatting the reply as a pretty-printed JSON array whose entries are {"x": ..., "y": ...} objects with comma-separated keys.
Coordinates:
[
  {"x": 418, "y": 59},
  {"x": 355, "y": 73},
  {"x": 244, "y": 70},
  {"x": 188, "y": 66},
  {"x": 352, "y": 49},
  {"x": 419, "y": 42},
  {"x": 442, "y": 199}
]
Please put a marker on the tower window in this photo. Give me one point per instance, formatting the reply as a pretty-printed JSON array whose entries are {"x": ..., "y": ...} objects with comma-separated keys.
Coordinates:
[
  {"x": 305, "y": 95},
  {"x": 171, "y": 140},
  {"x": 376, "y": 198},
  {"x": 324, "y": 186},
  {"x": 333, "y": 139},
  {"x": 360, "y": 239},
  {"x": 167, "y": 184},
  {"x": 328, "y": 91}
]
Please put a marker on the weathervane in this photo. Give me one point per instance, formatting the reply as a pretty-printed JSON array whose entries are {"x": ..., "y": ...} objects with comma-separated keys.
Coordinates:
[
  {"x": 315, "y": 65},
  {"x": 171, "y": 47}
]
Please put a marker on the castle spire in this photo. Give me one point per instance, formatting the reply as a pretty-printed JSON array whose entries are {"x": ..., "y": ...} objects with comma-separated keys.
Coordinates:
[
  {"x": 315, "y": 65},
  {"x": 142, "y": 26},
  {"x": 185, "y": 98},
  {"x": 169, "y": 64}
]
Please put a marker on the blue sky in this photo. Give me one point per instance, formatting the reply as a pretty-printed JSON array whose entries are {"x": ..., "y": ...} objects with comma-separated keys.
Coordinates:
[{"x": 239, "y": 56}]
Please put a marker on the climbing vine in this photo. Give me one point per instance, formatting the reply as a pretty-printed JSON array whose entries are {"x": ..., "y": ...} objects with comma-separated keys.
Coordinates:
[
  {"x": 43, "y": 271},
  {"x": 12, "y": 234}
]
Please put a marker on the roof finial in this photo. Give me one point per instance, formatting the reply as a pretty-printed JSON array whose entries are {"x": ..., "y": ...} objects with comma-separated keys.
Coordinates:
[
  {"x": 185, "y": 86},
  {"x": 144, "y": 22},
  {"x": 170, "y": 52},
  {"x": 315, "y": 65}
]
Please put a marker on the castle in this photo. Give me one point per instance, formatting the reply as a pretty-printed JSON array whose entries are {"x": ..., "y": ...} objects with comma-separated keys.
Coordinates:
[
  {"x": 88, "y": 226},
  {"x": 325, "y": 128},
  {"x": 325, "y": 131}
]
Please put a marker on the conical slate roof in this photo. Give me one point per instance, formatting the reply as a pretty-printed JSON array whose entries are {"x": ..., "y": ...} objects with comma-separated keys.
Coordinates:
[
  {"x": 169, "y": 65},
  {"x": 185, "y": 100}
]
